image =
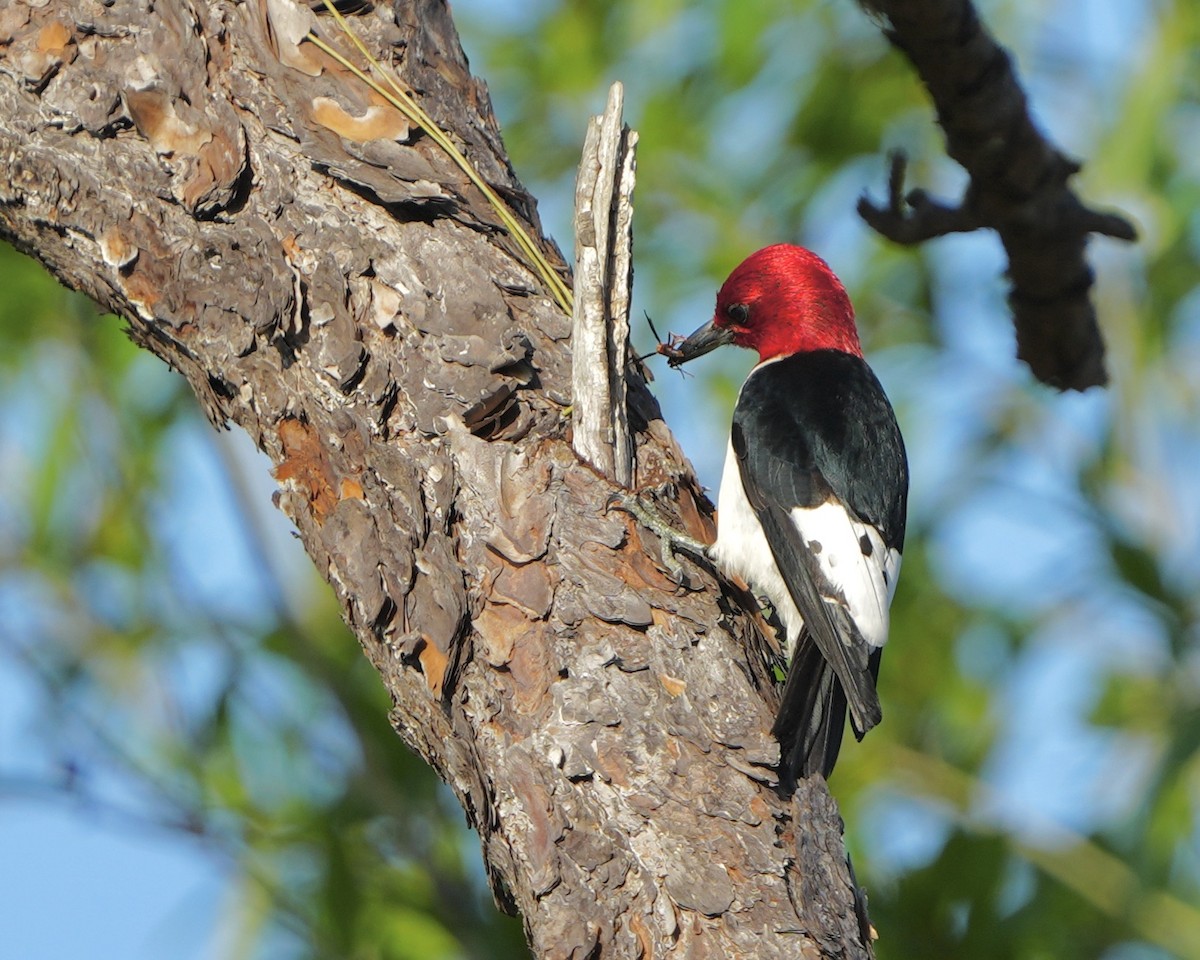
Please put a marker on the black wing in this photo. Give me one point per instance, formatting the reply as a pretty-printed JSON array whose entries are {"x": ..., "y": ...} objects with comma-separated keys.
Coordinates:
[{"x": 823, "y": 431}]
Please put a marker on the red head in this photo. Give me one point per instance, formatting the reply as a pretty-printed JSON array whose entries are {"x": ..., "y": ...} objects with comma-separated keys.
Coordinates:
[{"x": 779, "y": 301}]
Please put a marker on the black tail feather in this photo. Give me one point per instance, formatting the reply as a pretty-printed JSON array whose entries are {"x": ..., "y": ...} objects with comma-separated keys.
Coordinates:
[{"x": 812, "y": 715}]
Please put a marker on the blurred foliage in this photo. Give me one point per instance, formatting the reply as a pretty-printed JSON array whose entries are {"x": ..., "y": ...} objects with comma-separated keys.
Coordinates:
[{"x": 1035, "y": 791}]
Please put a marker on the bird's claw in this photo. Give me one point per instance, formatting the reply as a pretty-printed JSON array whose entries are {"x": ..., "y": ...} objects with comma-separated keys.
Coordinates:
[{"x": 673, "y": 540}]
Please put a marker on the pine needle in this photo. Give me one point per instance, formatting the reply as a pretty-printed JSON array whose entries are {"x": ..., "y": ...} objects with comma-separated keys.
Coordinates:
[{"x": 399, "y": 98}]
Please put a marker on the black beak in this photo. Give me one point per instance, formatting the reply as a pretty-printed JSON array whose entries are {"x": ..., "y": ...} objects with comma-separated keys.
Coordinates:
[{"x": 704, "y": 340}]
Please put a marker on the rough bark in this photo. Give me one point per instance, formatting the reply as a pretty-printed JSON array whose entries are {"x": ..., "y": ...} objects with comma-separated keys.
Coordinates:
[
  {"x": 329, "y": 282},
  {"x": 1019, "y": 187}
]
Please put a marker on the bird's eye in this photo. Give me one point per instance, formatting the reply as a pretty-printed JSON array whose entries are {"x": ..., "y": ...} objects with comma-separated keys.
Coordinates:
[{"x": 739, "y": 313}]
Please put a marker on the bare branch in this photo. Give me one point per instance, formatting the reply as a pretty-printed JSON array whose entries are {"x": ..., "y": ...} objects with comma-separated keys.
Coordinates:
[
  {"x": 916, "y": 217},
  {"x": 1018, "y": 186}
]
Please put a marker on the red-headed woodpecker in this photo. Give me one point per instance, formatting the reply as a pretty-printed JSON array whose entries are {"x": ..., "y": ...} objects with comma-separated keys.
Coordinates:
[{"x": 812, "y": 504}]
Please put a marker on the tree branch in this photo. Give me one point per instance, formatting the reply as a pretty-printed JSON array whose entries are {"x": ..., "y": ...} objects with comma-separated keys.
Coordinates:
[
  {"x": 328, "y": 280},
  {"x": 1018, "y": 187}
]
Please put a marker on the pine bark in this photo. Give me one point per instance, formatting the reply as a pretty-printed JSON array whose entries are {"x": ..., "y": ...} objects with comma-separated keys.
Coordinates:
[{"x": 327, "y": 280}]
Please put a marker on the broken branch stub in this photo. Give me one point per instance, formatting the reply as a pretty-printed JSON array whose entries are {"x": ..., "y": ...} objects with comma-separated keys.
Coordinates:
[{"x": 603, "y": 278}]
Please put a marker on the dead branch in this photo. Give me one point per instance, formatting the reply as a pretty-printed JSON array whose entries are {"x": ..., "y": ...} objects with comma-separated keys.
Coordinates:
[
  {"x": 603, "y": 278},
  {"x": 1018, "y": 187}
]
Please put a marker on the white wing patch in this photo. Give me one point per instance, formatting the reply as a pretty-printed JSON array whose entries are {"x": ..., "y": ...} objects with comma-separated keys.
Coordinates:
[
  {"x": 865, "y": 578},
  {"x": 855, "y": 560}
]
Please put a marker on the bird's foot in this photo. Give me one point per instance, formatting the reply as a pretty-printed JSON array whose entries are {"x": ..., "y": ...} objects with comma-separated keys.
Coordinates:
[{"x": 673, "y": 541}]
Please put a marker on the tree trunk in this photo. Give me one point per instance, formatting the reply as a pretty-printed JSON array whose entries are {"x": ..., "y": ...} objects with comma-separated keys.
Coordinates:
[{"x": 327, "y": 279}]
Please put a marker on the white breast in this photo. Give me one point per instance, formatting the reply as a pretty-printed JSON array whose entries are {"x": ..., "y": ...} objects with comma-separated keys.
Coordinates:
[{"x": 742, "y": 549}]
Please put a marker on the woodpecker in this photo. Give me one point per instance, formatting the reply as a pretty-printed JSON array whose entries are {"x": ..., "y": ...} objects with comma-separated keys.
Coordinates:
[{"x": 811, "y": 509}]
